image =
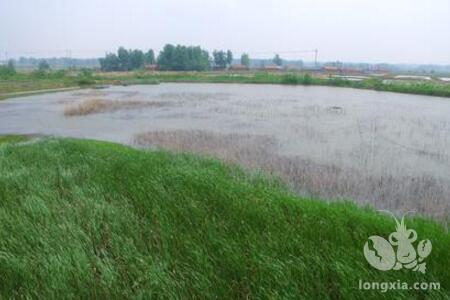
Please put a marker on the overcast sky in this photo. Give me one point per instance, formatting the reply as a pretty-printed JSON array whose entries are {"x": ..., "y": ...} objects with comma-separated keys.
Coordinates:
[{"x": 397, "y": 31}]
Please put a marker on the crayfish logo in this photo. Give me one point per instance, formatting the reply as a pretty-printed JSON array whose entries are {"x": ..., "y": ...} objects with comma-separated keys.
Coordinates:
[{"x": 398, "y": 251}]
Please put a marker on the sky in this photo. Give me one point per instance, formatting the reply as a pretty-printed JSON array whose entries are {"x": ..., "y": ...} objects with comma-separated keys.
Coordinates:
[{"x": 393, "y": 31}]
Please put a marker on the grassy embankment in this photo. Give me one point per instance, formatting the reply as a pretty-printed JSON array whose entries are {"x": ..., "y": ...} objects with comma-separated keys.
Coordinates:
[
  {"x": 12, "y": 139},
  {"x": 85, "y": 219},
  {"x": 36, "y": 82},
  {"x": 22, "y": 82},
  {"x": 420, "y": 88}
]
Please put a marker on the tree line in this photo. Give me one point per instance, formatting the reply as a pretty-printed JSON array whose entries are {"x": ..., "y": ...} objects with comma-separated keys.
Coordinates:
[
  {"x": 174, "y": 58},
  {"x": 9, "y": 70},
  {"x": 126, "y": 60},
  {"x": 171, "y": 58}
]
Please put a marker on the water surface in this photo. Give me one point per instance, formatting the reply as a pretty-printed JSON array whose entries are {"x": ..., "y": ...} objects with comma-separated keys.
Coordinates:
[{"x": 372, "y": 136}]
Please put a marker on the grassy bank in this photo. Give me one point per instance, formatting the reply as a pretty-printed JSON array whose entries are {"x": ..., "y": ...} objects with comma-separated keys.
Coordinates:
[
  {"x": 12, "y": 139},
  {"x": 22, "y": 82},
  {"x": 85, "y": 219},
  {"x": 419, "y": 88}
]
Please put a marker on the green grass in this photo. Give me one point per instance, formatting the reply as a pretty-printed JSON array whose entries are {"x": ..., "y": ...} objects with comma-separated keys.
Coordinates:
[
  {"x": 419, "y": 88},
  {"x": 93, "y": 220},
  {"x": 11, "y": 139},
  {"x": 22, "y": 82},
  {"x": 36, "y": 81}
]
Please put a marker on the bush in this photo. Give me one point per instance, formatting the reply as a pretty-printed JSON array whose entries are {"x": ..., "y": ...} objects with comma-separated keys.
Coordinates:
[
  {"x": 8, "y": 70},
  {"x": 85, "y": 81},
  {"x": 373, "y": 83},
  {"x": 290, "y": 79},
  {"x": 85, "y": 77},
  {"x": 39, "y": 74},
  {"x": 85, "y": 72},
  {"x": 337, "y": 81},
  {"x": 60, "y": 74},
  {"x": 43, "y": 66},
  {"x": 307, "y": 79}
]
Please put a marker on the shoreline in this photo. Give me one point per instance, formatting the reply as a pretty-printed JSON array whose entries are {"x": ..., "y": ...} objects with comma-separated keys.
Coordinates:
[{"x": 292, "y": 79}]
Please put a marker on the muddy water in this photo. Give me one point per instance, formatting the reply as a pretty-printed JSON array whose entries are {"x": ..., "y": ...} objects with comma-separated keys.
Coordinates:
[{"x": 371, "y": 137}]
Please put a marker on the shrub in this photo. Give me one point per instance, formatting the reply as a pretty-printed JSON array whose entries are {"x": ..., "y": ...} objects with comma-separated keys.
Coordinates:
[
  {"x": 8, "y": 70},
  {"x": 290, "y": 79},
  {"x": 307, "y": 79},
  {"x": 373, "y": 83},
  {"x": 85, "y": 77}
]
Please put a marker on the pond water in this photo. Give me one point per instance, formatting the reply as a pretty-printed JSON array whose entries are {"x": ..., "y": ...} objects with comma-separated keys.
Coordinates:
[{"x": 375, "y": 147}]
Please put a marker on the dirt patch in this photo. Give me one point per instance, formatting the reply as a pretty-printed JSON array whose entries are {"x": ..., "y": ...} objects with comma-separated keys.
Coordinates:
[
  {"x": 95, "y": 106},
  {"x": 426, "y": 195}
]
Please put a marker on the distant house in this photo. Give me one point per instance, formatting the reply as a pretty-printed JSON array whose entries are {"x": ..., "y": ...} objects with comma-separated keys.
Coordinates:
[
  {"x": 331, "y": 68},
  {"x": 293, "y": 67},
  {"x": 151, "y": 67},
  {"x": 272, "y": 68},
  {"x": 239, "y": 68}
]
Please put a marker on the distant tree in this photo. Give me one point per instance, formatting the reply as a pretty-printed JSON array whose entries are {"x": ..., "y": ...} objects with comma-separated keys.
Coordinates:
[
  {"x": 220, "y": 59},
  {"x": 110, "y": 62},
  {"x": 150, "y": 57},
  {"x": 11, "y": 67},
  {"x": 165, "y": 57},
  {"x": 277, "y": 60},
  {"x": 43, "y": 66},
  {"x": 8, "y": 70},
  {"x": 245, "y": 60},
  {"x": 229, "y": 57},
  {"x": 124, "y": 59},
  {"x": 136, "y": 59},
  {"x": 183, "y": 58},
  {"x": 337, "y": 64},
  {"x": 178, "y": 58}
]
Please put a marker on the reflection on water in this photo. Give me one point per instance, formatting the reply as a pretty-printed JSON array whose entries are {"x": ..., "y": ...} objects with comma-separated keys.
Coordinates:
[{"x": 360, "y": 138}]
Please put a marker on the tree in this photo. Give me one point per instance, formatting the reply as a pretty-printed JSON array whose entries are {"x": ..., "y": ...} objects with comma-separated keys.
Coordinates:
[
  {"x": 110, "y": 62},
  {"x": 245, "y": 60},
  {"x": 43, "y": 66},
  {"x": 183, "y": 58},
  {"x": 220, "y": 59},
  {"x": 229, "y": 57},
  {"x": 277, "y": 60},
  {"x": 136, "y": 59},
  {"x": 124, "y": 59},
  {"x": 150, "y": 57},
  {"x": 165, "y": 58},
  {"x": 11, "y": 67}
]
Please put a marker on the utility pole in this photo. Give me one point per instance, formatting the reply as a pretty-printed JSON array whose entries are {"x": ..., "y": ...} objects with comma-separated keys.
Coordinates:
[
  {"x": 316, "y": 53},
  {"x": 68, "y": 58}
]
